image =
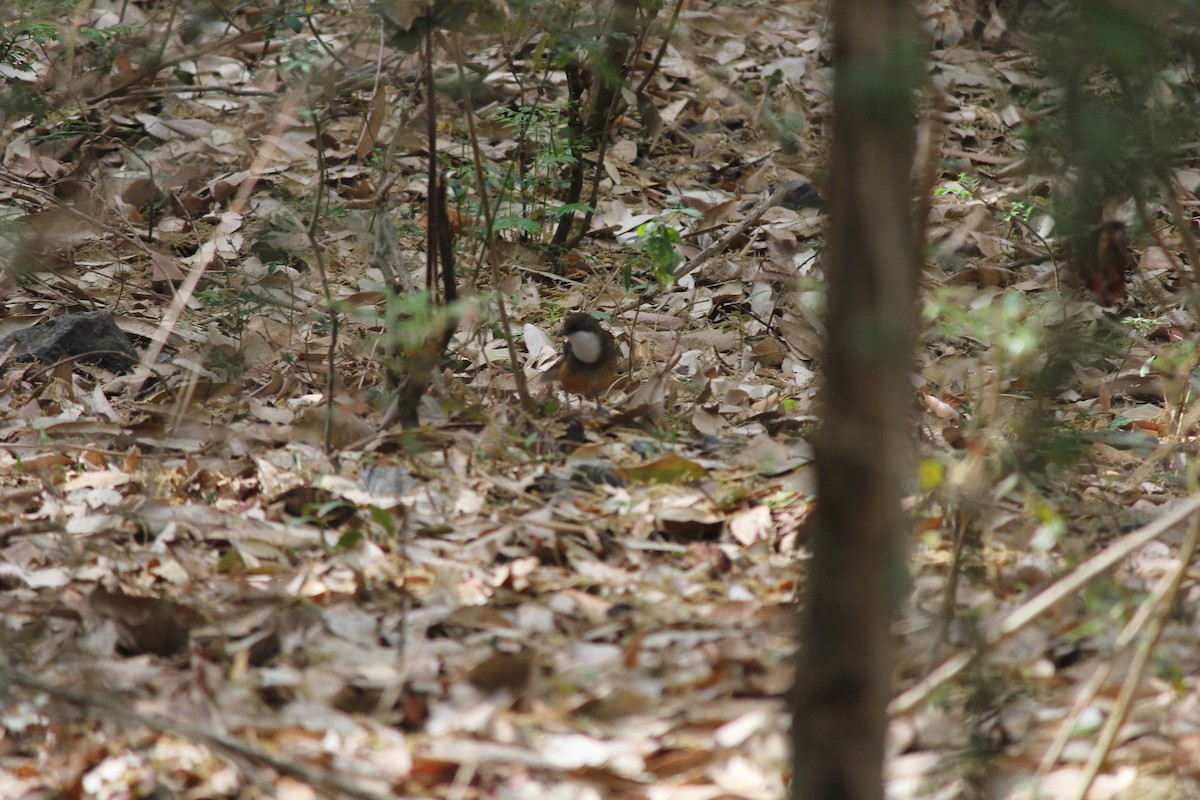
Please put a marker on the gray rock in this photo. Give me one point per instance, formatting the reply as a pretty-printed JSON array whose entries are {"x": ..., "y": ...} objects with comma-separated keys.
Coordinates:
[{"x": 88, "y": 332}]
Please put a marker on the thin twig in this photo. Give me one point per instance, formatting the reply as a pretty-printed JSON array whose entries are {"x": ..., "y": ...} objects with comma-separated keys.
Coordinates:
[
  {"x": 1021, "y": 616},
  {"x": 1183, "y": 225},
  {"x": 36, "y": 195},
  {"x": 689, "y": 266},
  {"x": 962, "y": 526},
  {"x": 662, "y": 50},
  {"x": 283, "y": 121},
  {"x": 155, "y": 91},
  {"x": 621, "y": 20},
  {"x": 1156, "y": 233},
  {"x": 1049, "y": 251},
  {"x": 30, "y": 528},
  {"x": 323, "y": 272},
  {"x": 1085, "y": 695},
  {"x": 1141, "y": 657},
  {"x": 230, "y": 747},
  {"x": 158, "y": 66},
  {"x": 493, "y": 254},
  {"x": 99, "y": 354},
  {"x": 772, "y": 200}
]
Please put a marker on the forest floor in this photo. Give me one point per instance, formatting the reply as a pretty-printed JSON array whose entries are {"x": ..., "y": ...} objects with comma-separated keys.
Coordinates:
[{"x": 203, "y": 599}]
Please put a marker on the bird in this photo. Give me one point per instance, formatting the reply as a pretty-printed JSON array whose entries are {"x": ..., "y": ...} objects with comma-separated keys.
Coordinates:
[
  {"x": 590, "y": 357},
  {"x": 1104, "y": 260}
]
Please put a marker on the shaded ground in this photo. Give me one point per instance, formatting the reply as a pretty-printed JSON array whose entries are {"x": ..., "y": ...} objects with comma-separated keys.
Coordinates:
[{"x": 513, "y": 604}]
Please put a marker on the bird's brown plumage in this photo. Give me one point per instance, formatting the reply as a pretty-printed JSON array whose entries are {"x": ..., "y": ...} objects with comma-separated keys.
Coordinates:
[
  {"x": 589, "y": 378},
  {"x": 1104, "y": 260}
]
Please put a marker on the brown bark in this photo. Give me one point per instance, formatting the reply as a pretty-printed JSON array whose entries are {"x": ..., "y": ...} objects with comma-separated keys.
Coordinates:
[{"x": 862, "y": 448}]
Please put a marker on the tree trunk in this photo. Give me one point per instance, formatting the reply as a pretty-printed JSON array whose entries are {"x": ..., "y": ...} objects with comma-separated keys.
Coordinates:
[{"x": 843, "y": 680}]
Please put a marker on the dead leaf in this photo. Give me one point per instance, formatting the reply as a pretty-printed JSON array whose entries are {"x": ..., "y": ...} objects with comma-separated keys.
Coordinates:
[{"x": 144, "y": 624}]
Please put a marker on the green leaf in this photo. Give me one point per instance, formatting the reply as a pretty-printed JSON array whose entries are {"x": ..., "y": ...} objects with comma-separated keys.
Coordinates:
[
  {"x": 349, "y": 540},
  {"x": 521, "y": 223},
  {"x": 384, "y": 519}
]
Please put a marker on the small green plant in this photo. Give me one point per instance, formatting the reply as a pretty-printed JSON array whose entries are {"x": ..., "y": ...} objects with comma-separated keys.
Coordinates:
[
  {"x": 1019, "y": 211},
  {"x": 235, "y": 306},
  {"x": 658, "y": 241},
  {"x": 28, "y": 28},
  {"x": 1143, "y": 326},
  {"x": 303, "y": 57},
  {"x": 1009, "y": 323},
  {"x": 17, "y": 42},
  {"x": 554, "y": 315},
  {"x": 544, "y": 153},
  {"x": 102, "y": 37},
  {"x": 540, "y": 126},
  {"x": 412, "y": 317},
  {"x": 966, "y": 187}
]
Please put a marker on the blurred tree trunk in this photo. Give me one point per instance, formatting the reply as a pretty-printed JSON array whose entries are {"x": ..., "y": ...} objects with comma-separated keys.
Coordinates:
[{"x": 843, "y": 680}]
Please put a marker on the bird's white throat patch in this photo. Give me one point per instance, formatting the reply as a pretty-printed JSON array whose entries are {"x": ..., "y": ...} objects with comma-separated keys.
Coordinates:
[{"x": 585, "y": 345}]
